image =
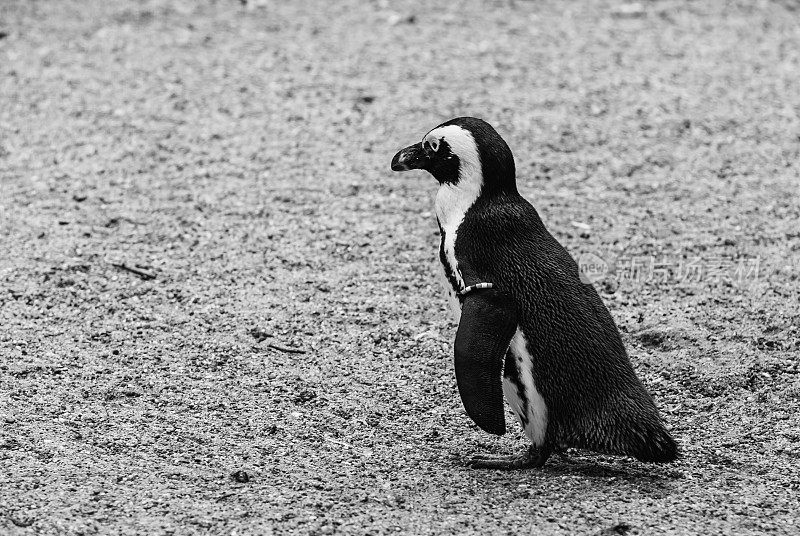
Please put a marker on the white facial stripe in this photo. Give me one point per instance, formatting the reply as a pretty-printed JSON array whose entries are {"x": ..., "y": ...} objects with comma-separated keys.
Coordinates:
[
  {"x": 453, "y": 200},
  {"x": 462, "y": 144},
  {"x": 432, "y": 141}
]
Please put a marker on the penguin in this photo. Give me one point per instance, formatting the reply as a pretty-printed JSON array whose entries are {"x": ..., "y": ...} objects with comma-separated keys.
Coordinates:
[{"x": 529, "y": 329}]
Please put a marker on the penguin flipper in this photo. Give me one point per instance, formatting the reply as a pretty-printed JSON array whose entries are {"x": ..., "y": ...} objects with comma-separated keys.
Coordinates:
[{"x": 488, "y": 322}]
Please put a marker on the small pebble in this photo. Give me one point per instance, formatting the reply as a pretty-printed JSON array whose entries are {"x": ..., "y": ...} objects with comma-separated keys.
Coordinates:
[{"x": 241, "y": 477}]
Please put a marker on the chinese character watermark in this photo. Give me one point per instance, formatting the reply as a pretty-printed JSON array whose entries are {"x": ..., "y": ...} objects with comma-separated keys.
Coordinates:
[{"x": 653, "y": 269}]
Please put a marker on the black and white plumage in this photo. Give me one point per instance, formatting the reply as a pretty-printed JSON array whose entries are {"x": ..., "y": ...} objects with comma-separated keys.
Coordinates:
[{"x": 537, "y": 335}]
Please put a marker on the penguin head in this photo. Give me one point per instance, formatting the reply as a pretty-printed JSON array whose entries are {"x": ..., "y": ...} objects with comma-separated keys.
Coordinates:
[{"x": 464, "y": 149}]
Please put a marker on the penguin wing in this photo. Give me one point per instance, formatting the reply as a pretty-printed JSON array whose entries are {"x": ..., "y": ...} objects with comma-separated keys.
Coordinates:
[{"x": 488, "y": 322}]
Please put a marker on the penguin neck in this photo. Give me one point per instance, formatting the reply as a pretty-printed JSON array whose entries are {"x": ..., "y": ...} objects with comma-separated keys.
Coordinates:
[
  {"x": 454, "y": 199},
  {"x": 499, "y": 180}
]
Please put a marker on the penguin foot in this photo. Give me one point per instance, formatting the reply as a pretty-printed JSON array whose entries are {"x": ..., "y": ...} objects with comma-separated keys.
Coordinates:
[
  {"x": 533, "y": 457},
  {"x": 562, "y": 453}
]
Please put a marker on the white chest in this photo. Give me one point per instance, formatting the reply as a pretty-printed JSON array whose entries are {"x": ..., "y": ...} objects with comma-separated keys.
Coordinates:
[
  {"x": 450, "y": 295},
  {"x": 454, "y": 200},
  {"x": 452, "y": 203}
]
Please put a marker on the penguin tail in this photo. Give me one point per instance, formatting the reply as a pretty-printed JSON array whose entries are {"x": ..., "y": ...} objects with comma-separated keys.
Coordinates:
[
  {"x": 655, "y": 445},
  {"x": 638, "y": 431},
  {"x": 627, "y": 424}
]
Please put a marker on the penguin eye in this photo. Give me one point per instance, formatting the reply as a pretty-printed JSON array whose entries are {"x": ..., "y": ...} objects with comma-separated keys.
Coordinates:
[{"x": 431, "y": 144}]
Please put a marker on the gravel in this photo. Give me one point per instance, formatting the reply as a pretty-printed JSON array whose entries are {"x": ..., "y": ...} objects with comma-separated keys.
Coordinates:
[{"x": 218, "y": 305}]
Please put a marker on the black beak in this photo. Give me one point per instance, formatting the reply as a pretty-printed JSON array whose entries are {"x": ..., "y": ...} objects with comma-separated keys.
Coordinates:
[{"x": 412, "y": 157}]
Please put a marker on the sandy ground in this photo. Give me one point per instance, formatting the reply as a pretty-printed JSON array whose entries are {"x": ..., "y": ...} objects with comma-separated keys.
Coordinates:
[{"x": 237, "y": 158}]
